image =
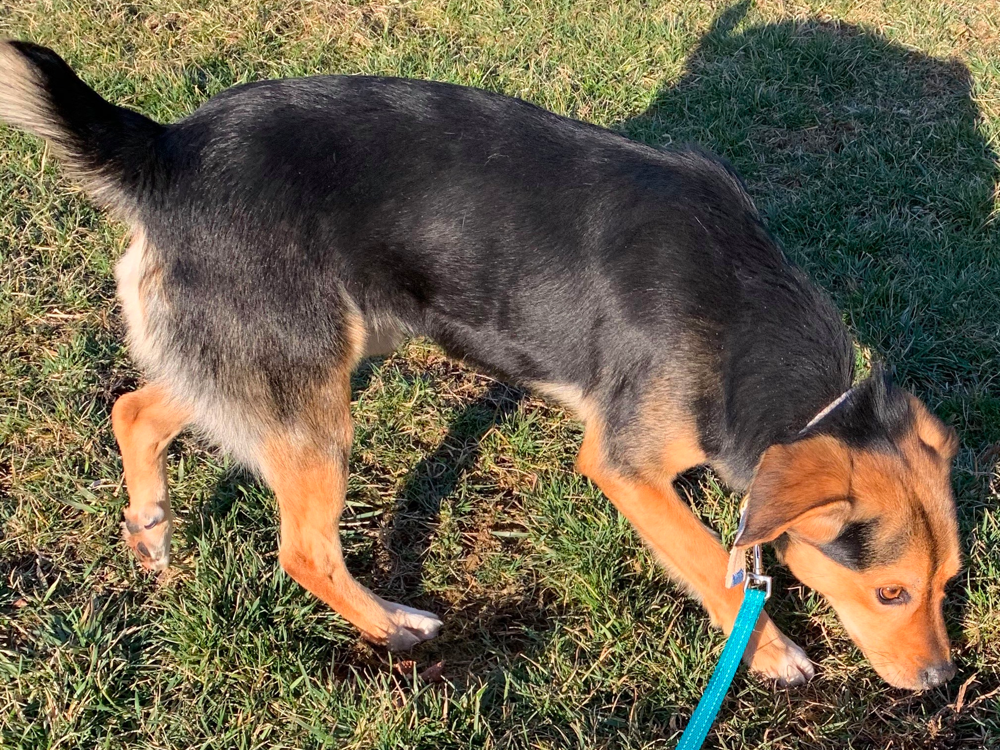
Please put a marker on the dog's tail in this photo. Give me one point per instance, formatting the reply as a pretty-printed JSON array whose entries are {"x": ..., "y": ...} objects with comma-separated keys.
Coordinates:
[{"x": 109, "y": 148}]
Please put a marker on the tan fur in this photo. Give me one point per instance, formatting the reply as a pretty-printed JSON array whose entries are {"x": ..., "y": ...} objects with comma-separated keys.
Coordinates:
[
  {"x": 917, "y": 540},
  {"x": 326, "y": 421},
  {"x": 804, "y": 484},
  {"x": 145, "y": 422}
]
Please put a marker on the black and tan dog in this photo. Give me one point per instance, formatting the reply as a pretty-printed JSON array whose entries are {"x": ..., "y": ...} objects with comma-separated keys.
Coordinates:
[{"x": 289, "y": 228}]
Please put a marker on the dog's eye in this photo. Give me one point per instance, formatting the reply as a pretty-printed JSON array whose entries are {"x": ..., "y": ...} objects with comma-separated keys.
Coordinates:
[{"x": 893, "y": 595}]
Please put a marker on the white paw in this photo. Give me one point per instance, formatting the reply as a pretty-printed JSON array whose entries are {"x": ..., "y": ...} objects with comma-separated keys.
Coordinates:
[
  {"x": 797, "y": 668},
  {"x": 783, "y": 661},
  {"x": 410, "y": 627}
]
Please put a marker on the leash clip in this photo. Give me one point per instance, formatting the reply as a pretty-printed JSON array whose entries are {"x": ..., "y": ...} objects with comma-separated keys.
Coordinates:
[
  {"x": 737, "y": 573},
  {"x": 757, "y": 580}
]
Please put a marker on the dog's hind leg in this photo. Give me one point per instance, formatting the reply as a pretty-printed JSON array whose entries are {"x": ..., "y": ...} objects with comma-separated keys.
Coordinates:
[
  {"x": 309, "y": 478},
  {"x": 145, "y": 422}
]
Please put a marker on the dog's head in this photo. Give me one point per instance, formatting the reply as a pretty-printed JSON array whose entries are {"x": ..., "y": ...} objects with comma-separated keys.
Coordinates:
[{"x": 860, "y": 508}]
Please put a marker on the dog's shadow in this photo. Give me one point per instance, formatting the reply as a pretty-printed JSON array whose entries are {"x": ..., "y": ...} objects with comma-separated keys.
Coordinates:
[
  {"x": 869, "y": 165},
  {"x": 434, "y": 478}
]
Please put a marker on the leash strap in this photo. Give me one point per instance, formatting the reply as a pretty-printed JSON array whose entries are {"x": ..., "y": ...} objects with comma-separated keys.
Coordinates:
[
  {"x": 710, "y": 703},
  {"x": 756, "y": 590}
]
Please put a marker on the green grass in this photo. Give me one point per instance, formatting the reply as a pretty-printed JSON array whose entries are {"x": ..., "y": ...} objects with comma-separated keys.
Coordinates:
[{"x": 868, "y": 134}]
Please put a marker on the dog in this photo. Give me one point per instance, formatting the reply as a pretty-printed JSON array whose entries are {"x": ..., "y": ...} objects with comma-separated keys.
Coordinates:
[{"x": 289, "y": 228}]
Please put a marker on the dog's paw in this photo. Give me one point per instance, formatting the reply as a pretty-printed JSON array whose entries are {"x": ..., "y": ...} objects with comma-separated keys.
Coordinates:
[
  {"x": 409, "y": 627},
  {"x": 780, "y": 659},
  {"x": 147, "y": 533}
]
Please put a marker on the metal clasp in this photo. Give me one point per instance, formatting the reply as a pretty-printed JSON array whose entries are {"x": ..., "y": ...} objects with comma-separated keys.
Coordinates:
[{"x": 757, "y": 579}]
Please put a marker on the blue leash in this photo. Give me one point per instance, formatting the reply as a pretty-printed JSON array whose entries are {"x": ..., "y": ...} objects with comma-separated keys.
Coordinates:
[{"x": 757, "y": 589}]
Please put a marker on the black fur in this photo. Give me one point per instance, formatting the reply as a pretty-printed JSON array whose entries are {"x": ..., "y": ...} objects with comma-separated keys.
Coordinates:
[
  {"x": 855, "y": 546},
  {"x": 538, "y": 247},
  {"x": 875, "y": 416}
]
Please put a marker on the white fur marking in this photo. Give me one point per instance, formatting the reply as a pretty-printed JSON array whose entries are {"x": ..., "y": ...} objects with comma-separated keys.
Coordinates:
[{"x": 129, "y": 272}]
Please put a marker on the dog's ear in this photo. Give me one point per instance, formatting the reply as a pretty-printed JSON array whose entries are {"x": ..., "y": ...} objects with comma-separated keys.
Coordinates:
[
  {"x": 933, "y": 432},
  {"x": 800, "y": 489}
]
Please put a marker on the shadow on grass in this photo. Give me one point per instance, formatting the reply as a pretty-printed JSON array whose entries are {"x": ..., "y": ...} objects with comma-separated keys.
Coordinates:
[
  {"x": 868, "y": 162},
  {"x": 483, "y": 625},
  {"x": 392, "y": 566},
  {"x": 435, "y": 478}
]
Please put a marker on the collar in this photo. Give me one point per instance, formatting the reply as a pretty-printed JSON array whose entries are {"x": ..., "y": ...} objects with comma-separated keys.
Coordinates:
[{"x": 827, "y": 409}]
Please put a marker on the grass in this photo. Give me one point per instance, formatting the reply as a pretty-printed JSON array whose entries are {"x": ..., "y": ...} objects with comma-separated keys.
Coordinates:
[{"x": 867, "y": 132}]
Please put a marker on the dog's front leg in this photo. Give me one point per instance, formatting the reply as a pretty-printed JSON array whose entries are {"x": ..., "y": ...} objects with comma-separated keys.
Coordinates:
[{"x": 695, "y": 558}]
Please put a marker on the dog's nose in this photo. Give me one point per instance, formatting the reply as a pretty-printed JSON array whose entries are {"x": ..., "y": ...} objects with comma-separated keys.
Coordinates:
[{"x": 937, "y": 675}]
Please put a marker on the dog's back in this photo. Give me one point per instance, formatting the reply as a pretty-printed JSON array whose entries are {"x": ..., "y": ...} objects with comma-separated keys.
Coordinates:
[{"x": 283, "y": 216}]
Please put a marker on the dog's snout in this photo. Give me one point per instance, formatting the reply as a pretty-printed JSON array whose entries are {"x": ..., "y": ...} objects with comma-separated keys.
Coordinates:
[{"x": 937, "y": 675}]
